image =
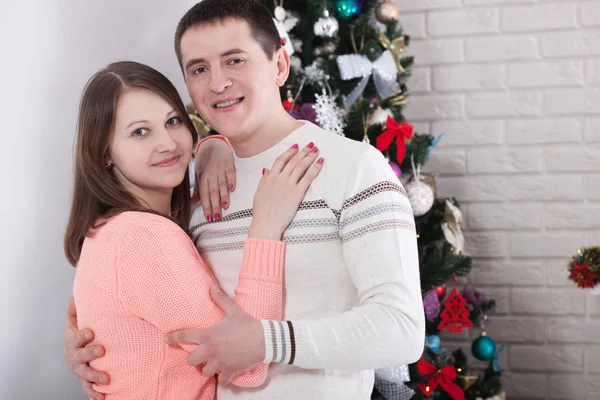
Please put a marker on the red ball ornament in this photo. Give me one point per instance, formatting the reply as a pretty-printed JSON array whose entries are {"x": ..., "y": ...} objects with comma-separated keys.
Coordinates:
[{"x": 441, "y": 291}]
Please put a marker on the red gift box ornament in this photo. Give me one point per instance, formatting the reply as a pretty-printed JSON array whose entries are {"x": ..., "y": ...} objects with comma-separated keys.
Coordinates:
[
  {"x": 444, "y": 377},
  {"x": 400, "y": 132}
]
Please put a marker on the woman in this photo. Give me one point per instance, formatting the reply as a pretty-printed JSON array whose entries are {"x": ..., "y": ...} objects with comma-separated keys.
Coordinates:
[{"x": 139, "y": 276}]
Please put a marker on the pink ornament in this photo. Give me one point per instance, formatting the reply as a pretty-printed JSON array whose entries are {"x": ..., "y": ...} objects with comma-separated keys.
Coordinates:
[{"x": 396, "y": 169}]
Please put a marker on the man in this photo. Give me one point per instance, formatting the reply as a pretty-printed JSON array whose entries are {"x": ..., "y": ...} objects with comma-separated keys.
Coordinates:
[{"x": 353, "y": 300}]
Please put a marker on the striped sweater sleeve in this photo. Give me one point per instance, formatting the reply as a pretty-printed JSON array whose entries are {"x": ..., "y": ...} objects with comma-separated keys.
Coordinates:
[{"x": 380, "y": 250}]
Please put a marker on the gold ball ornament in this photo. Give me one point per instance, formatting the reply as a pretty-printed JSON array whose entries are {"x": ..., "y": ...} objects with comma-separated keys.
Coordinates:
[{"x": 386, "y": 11}]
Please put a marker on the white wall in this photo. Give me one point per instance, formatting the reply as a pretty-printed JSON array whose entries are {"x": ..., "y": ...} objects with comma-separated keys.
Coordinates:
[
  {"x": 515, "y": 87},
  {"x": 48, "y": 50}
]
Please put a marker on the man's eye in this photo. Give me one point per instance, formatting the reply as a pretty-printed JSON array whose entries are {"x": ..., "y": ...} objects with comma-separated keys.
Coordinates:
[
  {"x": 198, "y": 71},
  {"x": 175, "y": 121},
  {"x": 140, "y": 132},
  {"x": 235, "y": 61}
]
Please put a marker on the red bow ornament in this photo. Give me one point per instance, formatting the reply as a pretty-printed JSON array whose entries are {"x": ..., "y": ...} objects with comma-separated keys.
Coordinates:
[
  {"x": 444, "y": 377},
  {"x": 393, "y": 130}
]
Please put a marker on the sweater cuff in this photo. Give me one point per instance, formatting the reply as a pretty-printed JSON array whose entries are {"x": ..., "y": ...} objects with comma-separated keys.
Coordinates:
[
  {"x": 264, "y": 258},
  {"x": 223, "y": 138},
  {"x": 280, "y": 341}
]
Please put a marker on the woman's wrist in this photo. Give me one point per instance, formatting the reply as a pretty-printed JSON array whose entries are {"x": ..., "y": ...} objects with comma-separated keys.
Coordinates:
[{"x": 259, "y": 231}]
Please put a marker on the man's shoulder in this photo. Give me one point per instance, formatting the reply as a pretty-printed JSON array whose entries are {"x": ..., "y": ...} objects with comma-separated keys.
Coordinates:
[{"x": 339, "y": 151}]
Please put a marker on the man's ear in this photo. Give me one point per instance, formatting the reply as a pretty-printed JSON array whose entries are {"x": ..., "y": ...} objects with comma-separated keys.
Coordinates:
[{"x": 283, "y": 63}]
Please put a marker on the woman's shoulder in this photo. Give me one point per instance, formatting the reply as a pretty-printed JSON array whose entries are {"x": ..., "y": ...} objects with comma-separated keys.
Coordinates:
[{"x": 144, "y": 223}]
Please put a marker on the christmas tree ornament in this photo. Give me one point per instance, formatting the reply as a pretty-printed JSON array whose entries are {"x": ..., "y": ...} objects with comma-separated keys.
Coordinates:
[
  {"x": 305, "y": 113},
  {"x": 434, "y": 143},
  {"x": 326, "y": 26},
  {"x": 420, "y": 196},
  {"x": 401, "y": 133},
  {"x": 289, "y": 102},
  {"x": 500, "y": 396},
  {"x": 455, "y": 316},
  {"x": 395, "y": 47},
  {"x": 396, "y": 169},
  {"x": 284, "y": 23},
  {"x": 434, "y": 377},
  {"x": 431, "y": 304},
  {"x": 584, "y": 268},
  {"x": 432, "y": 342},
  {"x": 496, "y": 360},
  {"x": 348, "y": 10},
  {"x": 484, "y": 348},
  {"x": 451, "y": 227},
  {"x": 380, "y": 116},
  {"x": 390, "y": 382},
  {"x": 386, "y": 11},
  {"x": 441, "y": 291},
  {"x": 384, "y": 71},
  {"x": 473, "y": 297},
  {"x": 329, "y": 115}
]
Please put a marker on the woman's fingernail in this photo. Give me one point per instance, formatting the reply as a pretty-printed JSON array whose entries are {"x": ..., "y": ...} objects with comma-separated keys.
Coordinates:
[
  {"x": 295, "y": 147},
  {"x": 231, "y": 187},
  {"x": 264, "y": 170},
  {"x": 310, "y": 145},
  {"x": 96, "y": 351},
  {"x": 209, "y": 218},
  {"x": 320, "y": 160},
  {"x": 315, "y": 149},
  {"x": 88, "y": 335},
  {"x": 224, "y": 204},
  {"x": 217, "y": 216},
  {"x": 101, "y": 379}
]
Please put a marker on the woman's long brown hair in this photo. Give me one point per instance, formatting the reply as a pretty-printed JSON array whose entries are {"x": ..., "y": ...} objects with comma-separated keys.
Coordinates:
[{"x": 96, "y": 192}]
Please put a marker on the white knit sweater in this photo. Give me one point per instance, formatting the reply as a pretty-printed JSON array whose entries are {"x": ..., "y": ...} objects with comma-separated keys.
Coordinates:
[{"x": 352, "y": 289}]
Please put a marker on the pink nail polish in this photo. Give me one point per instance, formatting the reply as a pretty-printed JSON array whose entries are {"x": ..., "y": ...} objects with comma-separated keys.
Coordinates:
[
  {"x": 295, "y": 147},
  {"x": 264, "y": 170},
  {"x": 217, "y": 216},
  {"x": 231, "y": 187},
  {"x": 310, "y": 145},
  {"x": 224, "y": 204},
  {"x": 320, "y": 160},
  {"x": 209, "y": 218},
  {"x": 315, "y": 149}
]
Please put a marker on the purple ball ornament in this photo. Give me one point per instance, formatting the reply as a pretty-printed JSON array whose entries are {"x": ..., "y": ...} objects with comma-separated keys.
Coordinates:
[{"x": 396, "y": 169}]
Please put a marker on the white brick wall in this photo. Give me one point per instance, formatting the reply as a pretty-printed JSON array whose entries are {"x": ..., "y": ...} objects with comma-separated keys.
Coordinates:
[{"x": 514, "y": 85}]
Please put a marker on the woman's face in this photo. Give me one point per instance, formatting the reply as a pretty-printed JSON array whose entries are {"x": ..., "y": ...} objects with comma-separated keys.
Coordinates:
[{"x": 150, "y": 147}]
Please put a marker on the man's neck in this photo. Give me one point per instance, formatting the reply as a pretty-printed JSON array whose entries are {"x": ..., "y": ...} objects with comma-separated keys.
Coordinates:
[{"x": 268, "y": 135}]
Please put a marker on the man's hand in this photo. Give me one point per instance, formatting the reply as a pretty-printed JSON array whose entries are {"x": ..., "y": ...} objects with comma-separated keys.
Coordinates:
[
  {"x": 232, "y": 345},
  {"x": 215, "y": 177},
  {"x": 78, "y": 356}
]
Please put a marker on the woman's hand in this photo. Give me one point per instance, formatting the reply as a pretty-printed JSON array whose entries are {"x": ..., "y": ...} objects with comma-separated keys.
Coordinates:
[
  {"x": 215, "y": 177},
  {"x": 282, "y": 189}
]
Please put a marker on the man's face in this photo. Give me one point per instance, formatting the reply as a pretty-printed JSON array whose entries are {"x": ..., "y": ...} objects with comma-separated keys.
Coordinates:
[{"x": 232, "y": 83}]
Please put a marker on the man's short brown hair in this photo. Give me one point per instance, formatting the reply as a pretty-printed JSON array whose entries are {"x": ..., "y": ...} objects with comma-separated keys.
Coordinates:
[{"x": 257, "y": 16}]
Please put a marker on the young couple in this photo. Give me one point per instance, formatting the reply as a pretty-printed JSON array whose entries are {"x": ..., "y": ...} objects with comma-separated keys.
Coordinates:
[{"x": 150, "y": 320}]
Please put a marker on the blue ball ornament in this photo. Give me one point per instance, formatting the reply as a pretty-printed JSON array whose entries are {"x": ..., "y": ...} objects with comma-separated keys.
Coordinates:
[
  {"x": 348, "y": 9},
  {"x": 484, "y": 348},
  {"x": 433, "y": 342}
]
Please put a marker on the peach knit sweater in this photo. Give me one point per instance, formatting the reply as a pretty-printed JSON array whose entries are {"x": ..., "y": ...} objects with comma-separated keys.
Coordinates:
[{"x": 140, "y": 277}]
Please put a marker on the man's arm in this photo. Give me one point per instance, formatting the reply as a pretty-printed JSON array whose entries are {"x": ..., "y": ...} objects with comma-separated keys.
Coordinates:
[{"x": 380, "y": 250}]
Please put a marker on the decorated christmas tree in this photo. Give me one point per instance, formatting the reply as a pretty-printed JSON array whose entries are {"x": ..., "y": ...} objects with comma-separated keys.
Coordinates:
[{"x": 350, "y": 76}]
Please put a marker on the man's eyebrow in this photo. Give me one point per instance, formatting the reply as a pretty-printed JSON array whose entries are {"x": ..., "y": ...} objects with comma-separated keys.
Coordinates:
[{"x": 229, "y": 52}]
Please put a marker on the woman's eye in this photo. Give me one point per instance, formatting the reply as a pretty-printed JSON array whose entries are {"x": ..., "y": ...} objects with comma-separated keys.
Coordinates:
[
  {"x": 140, "y": 132},
  {"x": 175, "y": 121}
]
